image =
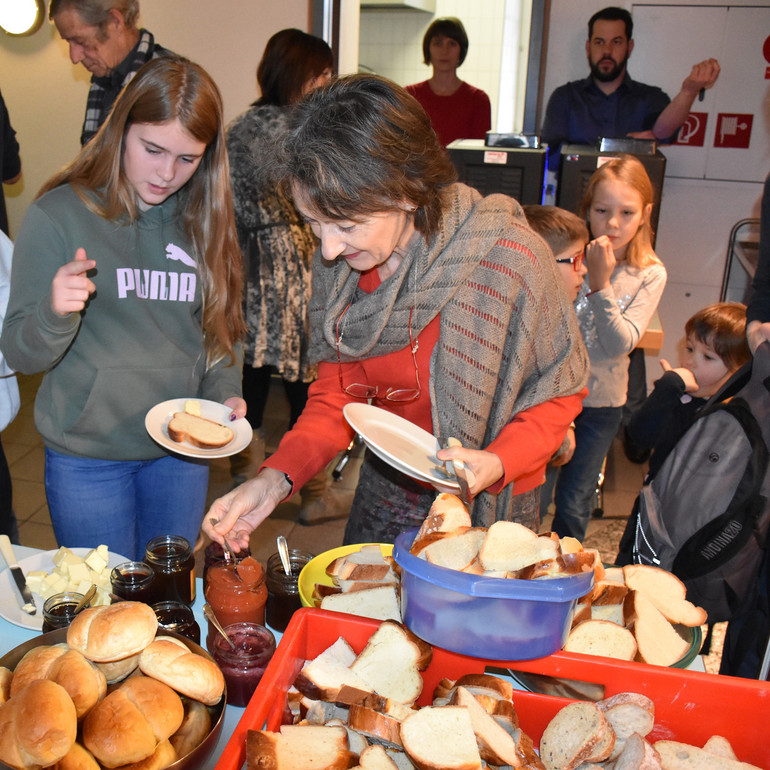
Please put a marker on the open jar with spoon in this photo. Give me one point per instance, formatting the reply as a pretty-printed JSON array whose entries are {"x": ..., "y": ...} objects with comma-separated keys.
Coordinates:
[{"x": 283, "y": 597}]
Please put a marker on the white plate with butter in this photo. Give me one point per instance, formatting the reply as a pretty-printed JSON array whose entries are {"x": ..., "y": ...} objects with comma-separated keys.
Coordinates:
[
  {"x": 43, "y": 562},
  {"x": 157, "y": 419}
]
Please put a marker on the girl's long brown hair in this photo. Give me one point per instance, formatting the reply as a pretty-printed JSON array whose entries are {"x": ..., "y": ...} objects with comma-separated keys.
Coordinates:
[{"x": 166, "y": 89}]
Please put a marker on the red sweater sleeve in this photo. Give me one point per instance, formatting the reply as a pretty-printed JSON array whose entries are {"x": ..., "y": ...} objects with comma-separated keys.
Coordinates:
[{"x": 528, "y": 442}]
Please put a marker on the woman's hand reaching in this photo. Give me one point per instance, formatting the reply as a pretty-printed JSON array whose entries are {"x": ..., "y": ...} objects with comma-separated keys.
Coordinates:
[
  {"x": 238, "y": 513},
  {"x": 486, "y": 467},
  {"x": 71, "y": 286}
]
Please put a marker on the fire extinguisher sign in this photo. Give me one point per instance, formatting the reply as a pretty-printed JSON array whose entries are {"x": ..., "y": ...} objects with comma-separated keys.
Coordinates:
[{"x": 733, "y": 130}]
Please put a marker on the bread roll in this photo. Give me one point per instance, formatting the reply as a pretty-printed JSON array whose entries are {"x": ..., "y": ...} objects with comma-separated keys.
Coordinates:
[
  {"x": 105, "y": 634},
  {"x": 35, "y": 664},
  {"x": 77, "y": 758},
  {"x": 171, "y": 661},
  {"x": 118, "y": 670},
  {"x": 82, "y": 680},
  {"x": 38, "y": 726},
  {"x": 131, "y": 721},
  {"x": 195, "y": 727},
  {"x": 6, "y": 675},
  {"x": 161, "y": 758}
]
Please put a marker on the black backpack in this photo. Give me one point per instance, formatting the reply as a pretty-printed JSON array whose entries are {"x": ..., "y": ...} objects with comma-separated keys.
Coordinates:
[{"x": 705, "y": 514}]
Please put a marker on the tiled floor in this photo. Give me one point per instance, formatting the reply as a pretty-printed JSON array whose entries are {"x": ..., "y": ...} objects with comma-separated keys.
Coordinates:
[{"x": 24, "y": 450}]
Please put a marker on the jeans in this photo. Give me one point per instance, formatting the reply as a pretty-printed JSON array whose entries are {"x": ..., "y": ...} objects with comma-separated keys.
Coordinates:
[
  {"x": 595, "y": 427},
  {"x": 124, "y": 503}
]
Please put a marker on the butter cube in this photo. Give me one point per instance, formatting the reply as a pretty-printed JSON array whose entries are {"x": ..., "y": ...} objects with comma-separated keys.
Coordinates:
[
  {"x": 35, "y": 579},
  {"x": 68, "y": 559},
  {"x": 192, "y": 407},
  {"x": 58, "y": 557},
  {"x": 82, "y": 587},
  {"x": 104, "y": 552},
  {"x": 78, "y": 573},
  {"x": 95, "y": 561}
]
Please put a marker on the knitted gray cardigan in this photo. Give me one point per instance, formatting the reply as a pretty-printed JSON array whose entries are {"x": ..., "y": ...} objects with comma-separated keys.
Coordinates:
[{"x": 508, "y": 336}]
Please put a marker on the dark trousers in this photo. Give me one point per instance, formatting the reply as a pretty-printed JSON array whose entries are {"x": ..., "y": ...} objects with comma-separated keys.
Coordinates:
[
  {"x": 256, "y": 389},
  {"x": 8, "y": 524}
]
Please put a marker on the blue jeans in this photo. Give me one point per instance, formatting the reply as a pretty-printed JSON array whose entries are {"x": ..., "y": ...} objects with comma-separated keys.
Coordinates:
[
  {"x": 595, "y": 427},
  {"x": 124, "y": 503}
]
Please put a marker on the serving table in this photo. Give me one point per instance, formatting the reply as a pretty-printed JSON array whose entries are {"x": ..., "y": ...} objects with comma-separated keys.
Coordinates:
[{"x": 12, "y": 636}]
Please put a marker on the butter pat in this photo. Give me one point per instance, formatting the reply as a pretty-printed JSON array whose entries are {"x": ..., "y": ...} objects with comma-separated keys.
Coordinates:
[
  {"x": 95, "y": 561},
  {"x": 78, "y": 573},
  {"x": 193, "y": 407}
]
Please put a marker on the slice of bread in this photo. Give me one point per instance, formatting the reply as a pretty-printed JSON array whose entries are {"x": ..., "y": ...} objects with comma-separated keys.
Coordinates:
[
  {"x": 629, "y": 713},
  {"x": 511, "y": 546},
  {"x": 657, "y": 640},
  {"x": 666, "y": 592},
  {"x": 298, "y": 747},
  {"x": 380, "y": 603},
  {"x": 390, "y": 663},
  {"x": 637, "y": 754},
  {"x": 322, "y": 677},
  {"x": 456, "y": 552},
  {"x": 376, "y": 758},
  {"x": 602, "y": 637},
  {"x": 682, "y": 756},
  {"x": 574, "y": 736},
  {"x": 720, "y": 747},
  {"x": 441, "y": 738},
  {"x": 198, "y": 431},
  {"x": 376, "y": 727}
]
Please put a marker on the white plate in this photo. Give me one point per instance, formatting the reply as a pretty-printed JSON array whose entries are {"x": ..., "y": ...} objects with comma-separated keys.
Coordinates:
[
  {"x": 401, "y": 444},
  {"x": 9, "y": 596},
  {"x": 157, "y": 419}
]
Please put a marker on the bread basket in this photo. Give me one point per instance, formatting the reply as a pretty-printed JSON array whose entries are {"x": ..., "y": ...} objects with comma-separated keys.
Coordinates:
[
  {"x": 492, "y": 618},
  {"x": 192, "y": 761}
]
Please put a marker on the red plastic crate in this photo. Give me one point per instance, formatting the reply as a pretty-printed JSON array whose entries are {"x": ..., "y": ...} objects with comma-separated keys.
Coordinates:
[{"x": 689, "y": 706}]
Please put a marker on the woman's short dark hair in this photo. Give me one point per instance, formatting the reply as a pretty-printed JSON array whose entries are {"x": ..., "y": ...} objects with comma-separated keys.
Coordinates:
[
  {"x": 291, "y": 58},
  {"x": 448, "y": 26},
  {"x": 363, "y": 145}
]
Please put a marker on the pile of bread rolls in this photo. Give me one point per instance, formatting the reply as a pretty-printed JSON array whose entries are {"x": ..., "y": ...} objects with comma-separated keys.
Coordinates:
[{"x": 113, "y": 696}]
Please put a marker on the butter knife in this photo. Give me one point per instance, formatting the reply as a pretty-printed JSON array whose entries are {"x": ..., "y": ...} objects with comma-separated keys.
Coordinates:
[{"x": 26, "y": 601}]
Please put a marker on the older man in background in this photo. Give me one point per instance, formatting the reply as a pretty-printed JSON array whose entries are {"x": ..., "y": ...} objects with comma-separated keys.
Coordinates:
[{"x": 104, "y": 37}]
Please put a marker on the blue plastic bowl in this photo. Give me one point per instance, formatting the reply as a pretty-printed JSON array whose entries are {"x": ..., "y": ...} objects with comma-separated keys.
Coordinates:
[{"x": 493, "y": 618}]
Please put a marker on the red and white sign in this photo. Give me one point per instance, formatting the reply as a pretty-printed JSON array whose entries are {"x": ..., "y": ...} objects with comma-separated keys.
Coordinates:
[
  {"x": 733, "y": 130},
  {"x": 693, "y": 130}
]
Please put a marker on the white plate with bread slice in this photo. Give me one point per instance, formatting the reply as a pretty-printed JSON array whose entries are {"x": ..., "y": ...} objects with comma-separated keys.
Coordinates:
[
  {"x": 196, "y": 427},
  {"x": 402, "y": 444}
]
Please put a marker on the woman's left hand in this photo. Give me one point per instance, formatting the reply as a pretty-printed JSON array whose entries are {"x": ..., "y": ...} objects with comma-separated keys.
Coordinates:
[
  {"x": 487, "y": 467},
  {"x": 238, "y": 405}
]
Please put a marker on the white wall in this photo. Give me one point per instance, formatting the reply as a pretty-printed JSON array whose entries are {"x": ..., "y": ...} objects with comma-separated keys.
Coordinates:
[
  {"x": 698, "y": 211},
  {"x": 46, "y": 95}
]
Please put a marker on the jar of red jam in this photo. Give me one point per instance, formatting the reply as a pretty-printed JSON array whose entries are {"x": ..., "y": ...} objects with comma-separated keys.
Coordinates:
[
  {"x": 59, "y": 610},
  {"x": 177, "y": 617},
  {"x": 215, "y": 555},
  {"x": 283, "y": 590},
  {"x": 243, "y": 666},
  {"x": 172, "y": 560},
  {"x": 236, "y": 597},
  {"x": 132, "y": 581}
]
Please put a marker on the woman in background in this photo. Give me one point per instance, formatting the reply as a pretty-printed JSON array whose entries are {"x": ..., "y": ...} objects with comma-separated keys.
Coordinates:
[
  {"x": 456, "y": 109},
  {"x": 277, "y": 245}
]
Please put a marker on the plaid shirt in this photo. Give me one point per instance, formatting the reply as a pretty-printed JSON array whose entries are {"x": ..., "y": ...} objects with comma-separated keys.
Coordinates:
[{"x": 105, "y": 90}]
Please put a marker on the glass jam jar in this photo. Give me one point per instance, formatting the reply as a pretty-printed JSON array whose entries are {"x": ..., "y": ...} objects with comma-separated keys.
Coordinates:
[
  {"x": 59, "y": 610},
  {"x": 243, "y": 666},
  {"x": 172, "y": 560},
  {"x": 178, "y": 617},
  {"x": 283, "y": 590},
  {"x": 236, "y": 598},
  {"x": 132, "y": 581},
  {"x": 215, "y": 555}
]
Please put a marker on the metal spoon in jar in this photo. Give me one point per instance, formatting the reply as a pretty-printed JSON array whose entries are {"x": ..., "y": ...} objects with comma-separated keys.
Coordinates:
[
  {"x": 212, "y": 618},
  {"x": 86, "y": 600},
  {"x": 283, "y": 552},
  {"x": 228, "y": 551}
]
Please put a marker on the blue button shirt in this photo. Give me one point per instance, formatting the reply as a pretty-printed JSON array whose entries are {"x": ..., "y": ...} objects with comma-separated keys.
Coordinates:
[{"x": 580, "y": 113}]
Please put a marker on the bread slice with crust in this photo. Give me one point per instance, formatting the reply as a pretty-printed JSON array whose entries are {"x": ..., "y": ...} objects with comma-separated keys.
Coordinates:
[
  {"x": 380, "y": 602},
  {"x": 576, "y": 734},
  {"x": 376, "y": 758},
  {"x": 511, "y": 546},
  {"x": 637, "y": 754},
  {"x": 375, "y": 726},
  {"x": 441, "y": 738},
  {"x": 720, "y": 747},
  {"x": 682, "y": 756},
  {"x": 198, "y": 431},
  {"x": 657, "y": 640},
  {"x": 322, "y": 677},
  {"x": 602, "y": 637},
  {"x": 456, "y": 552},
  {"x": 299, "y": 747},
  {"x": 629, "y": 713},
  {"x": 666, "y": 591}
]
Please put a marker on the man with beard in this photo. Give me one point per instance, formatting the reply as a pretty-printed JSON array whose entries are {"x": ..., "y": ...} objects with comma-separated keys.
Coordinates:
[{"x": 608, "y": 103}]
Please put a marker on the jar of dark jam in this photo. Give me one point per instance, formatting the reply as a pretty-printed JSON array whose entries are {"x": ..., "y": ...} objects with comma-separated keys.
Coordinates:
[
  {"x": 178, "y": 617},
  {"x": 215, "y": 555},
  {"x": 243, "y": 666},
  {"x": 172, "y": 560},
  {"x": 236, "y": 597},
  {"x": 132, "y": 581},
  {"x": 59, "y": 610},
  {"x": 283, "y": 590}
]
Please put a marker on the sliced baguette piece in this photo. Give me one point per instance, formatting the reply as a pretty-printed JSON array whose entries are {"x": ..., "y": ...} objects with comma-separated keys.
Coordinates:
[
  {"x": 391, "y": 662},
  {"x": 720, "y": 747},
  {"x": 441, "y": 738},
  {"x": 682, "y": 756},
  {"x": 198, "y": 431},
  {"x": 573, "y": 736},
  {"x": 657, "y": 640},
  {"x": 380, "y": 603},
  {"x": 322, "y": 677},
  {"x": 496, "y": 745},
  {"x": 637, "y": 754},
  {"x": 602, "y": 637},
  {"x": 375, "y": 726},
  {"x": 456, "y": 552},
  {"x": 629, "y": 713},
  {"x": 666, "y": 591},
  {"x": 298, "y": 747}
]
